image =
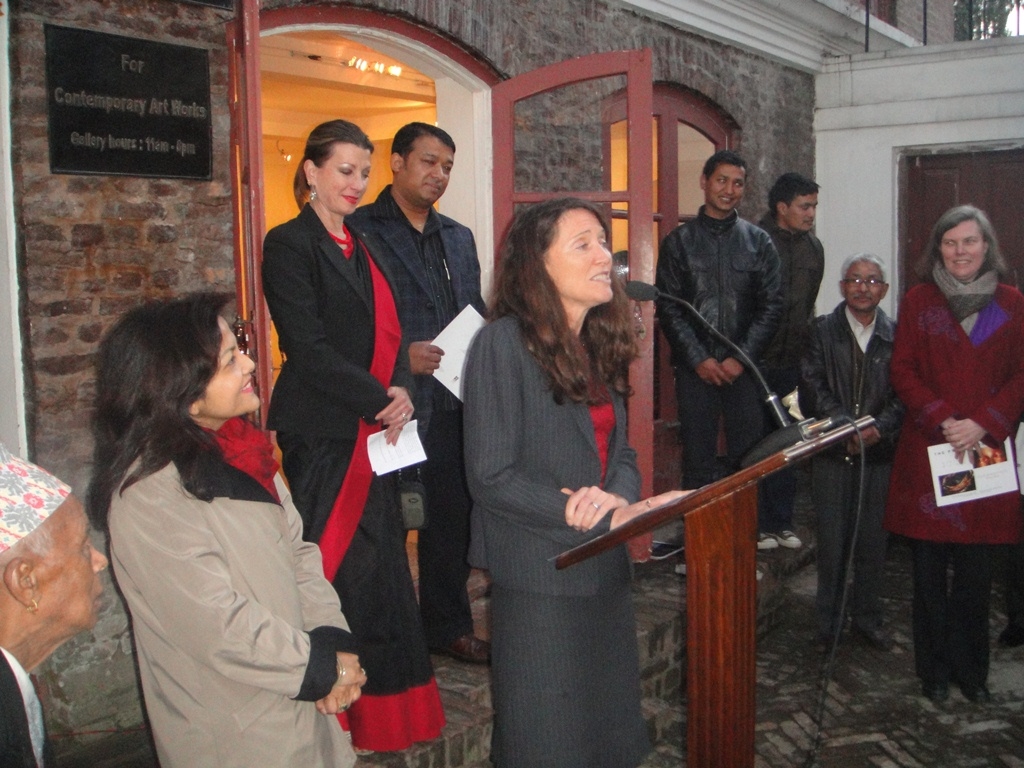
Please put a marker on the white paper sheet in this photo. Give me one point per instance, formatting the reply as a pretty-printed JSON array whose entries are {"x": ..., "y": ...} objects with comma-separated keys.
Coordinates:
[
  {"x": 1018, "y": 445},
  {"x": 386, "y": 458},
  {"x": 455, "y": 341},
  {"x": 976, "y": 478}
]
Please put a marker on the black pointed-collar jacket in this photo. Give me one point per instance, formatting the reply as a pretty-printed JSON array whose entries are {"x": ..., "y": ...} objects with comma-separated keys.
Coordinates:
[{"x": 728, "y": 269}]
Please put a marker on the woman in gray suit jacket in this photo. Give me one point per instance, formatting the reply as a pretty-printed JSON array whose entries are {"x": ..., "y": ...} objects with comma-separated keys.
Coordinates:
[{"x": 548, "y": 468}]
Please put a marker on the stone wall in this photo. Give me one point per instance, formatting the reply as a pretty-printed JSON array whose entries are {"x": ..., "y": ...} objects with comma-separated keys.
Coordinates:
[{"x": 89, "y": 247}]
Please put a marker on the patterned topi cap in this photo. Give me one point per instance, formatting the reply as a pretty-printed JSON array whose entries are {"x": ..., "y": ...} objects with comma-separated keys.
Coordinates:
[{"x": 28, "y": 495}]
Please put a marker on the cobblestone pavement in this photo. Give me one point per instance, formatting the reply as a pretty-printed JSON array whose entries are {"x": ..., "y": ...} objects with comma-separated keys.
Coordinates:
[{"x": 875, "y": 714}]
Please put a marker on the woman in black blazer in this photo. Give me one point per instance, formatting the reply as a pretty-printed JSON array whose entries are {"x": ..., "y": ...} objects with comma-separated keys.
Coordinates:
[
  {"x": 345, "y": 376},
  {"x": 548, "y": 468}
]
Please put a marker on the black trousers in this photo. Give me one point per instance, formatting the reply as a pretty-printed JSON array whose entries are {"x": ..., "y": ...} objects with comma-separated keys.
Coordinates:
[
  {"x": 776, "y": 494},
  {"x": 1015, "y": 585},
  {"x": 835, "y": 490},
  {"x": 700, "y": 407},
  {"x": 444, "y": 542},
  {"x": 950, "y": 619}
]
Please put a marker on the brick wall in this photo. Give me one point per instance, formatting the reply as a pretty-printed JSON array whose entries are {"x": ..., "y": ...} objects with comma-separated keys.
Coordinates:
[
  {"x": 88, "y": 247},
  {"x": 910, "y": 19}
]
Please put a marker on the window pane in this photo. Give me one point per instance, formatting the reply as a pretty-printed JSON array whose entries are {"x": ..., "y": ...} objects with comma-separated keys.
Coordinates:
[
  {"x": 694, "y": 149},
  {"x": 560, "y": 143}
]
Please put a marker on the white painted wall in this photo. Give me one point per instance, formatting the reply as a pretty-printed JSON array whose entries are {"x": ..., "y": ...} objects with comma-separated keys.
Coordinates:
[
  {"x": 872, "y": 109},
  {"x": 468, "y": 198},
  {"x": 12, "y": 384},
  {"x": 798, "y": 33}
]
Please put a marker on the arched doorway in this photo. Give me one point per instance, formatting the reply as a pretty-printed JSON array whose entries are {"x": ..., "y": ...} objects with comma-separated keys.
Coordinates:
[
  {"x": 460, "y": 102},
  {"x": 463, "y": 101}
]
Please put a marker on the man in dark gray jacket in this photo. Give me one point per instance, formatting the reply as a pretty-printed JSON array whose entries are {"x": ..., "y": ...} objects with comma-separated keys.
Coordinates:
[
  {"x": 792, "y": 205},
  {"x": 846, "y": 373},
  {"x": 728, "y": 270},
  {"x": 432, "y": 263}
]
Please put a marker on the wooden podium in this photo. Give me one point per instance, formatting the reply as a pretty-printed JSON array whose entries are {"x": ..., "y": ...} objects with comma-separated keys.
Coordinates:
[{"x": 720, "y": 523}]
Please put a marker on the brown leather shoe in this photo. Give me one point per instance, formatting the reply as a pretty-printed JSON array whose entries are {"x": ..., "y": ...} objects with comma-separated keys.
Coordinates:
[{"x": 469, "y": 648}]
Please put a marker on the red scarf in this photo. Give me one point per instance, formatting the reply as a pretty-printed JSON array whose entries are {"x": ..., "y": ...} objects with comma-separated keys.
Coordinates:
[
  {"x": 248, "y": 449},
  {"x": 348, "y": 506}
]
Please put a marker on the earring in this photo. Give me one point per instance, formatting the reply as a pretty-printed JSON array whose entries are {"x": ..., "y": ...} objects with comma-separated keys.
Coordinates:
[
  {"x": 34, "y": 607},
  {"x": 312, "y": 194}
]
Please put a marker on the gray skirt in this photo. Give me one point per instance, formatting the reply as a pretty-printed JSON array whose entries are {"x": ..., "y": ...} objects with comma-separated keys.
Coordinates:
[{"x": 566, "y": 680}]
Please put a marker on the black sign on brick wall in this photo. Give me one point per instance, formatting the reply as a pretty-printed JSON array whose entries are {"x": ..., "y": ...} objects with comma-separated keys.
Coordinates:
[{"x": 127, "y": 107}]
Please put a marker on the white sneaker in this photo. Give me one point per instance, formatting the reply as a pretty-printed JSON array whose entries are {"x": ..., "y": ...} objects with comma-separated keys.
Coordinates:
[
  {"x": 788, "y": 539},
  {"x": 767, "y": 541}
]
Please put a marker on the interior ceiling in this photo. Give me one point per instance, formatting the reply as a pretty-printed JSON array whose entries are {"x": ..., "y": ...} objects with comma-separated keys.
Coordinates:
[{"x": 305, "y": 74}]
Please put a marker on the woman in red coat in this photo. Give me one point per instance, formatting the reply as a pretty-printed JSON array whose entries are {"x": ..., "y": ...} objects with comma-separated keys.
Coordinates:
[{"x": 957, "y": 366}]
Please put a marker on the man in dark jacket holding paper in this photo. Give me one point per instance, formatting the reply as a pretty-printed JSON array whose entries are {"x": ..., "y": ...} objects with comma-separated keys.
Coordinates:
[{"x": 433, "y": 264}]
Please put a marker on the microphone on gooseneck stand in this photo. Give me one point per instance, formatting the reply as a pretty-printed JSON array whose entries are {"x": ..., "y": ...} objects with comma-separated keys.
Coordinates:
[
  {"x": 788, "y": 434},
  {"x": 646, "y": 292}
]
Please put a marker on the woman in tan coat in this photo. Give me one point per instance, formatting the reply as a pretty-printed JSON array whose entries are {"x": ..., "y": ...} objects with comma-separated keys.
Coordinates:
[{"x": 243, "y": 651}]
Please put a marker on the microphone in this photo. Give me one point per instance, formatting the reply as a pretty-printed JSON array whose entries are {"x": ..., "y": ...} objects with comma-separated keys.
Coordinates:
[
  {"x": 787, "y": 437},
  {"x": 788, "y": 434},
  {"x": 639, "y": 291}
]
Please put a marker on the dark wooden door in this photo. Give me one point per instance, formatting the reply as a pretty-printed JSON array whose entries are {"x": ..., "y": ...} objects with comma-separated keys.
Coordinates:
[{"x": 992, "y": 181}]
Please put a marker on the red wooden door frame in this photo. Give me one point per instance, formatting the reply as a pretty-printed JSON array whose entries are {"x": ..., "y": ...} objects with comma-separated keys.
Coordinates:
[
  {"x": 636, "y": 66},
  {"x": 673, "y": 105},
  {"x": 247, "y": 177},
  {"x": 931, "y": 183}
]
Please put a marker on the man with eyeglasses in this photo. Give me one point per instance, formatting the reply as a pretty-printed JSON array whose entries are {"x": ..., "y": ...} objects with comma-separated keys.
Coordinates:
[
  {"x": 792, "y": 205},
  {"x": 845, "y": 373}
]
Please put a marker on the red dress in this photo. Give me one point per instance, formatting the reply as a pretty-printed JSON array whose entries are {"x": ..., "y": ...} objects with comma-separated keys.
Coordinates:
[{"x": 388, "y": 721}]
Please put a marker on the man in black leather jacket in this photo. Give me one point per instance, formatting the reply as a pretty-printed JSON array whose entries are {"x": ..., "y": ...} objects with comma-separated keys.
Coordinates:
[
  {"x": 728, "y": 269},
  {"x": 845, "y": 372}
]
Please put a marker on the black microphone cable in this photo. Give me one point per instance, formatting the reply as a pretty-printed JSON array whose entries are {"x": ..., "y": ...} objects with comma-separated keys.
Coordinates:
[{"x": 829, "y": 665}]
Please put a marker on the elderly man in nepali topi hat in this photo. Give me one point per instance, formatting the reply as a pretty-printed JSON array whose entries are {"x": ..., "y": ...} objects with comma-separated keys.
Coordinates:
[{"x": 50, "y": 592}]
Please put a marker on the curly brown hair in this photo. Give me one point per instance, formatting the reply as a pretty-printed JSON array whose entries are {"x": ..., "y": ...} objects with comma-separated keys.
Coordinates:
[{"x": 578, "y": 367}]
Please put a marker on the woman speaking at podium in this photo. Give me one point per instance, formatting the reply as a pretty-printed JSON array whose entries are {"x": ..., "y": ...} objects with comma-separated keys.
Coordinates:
[{"x": 549, "y": 468}]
